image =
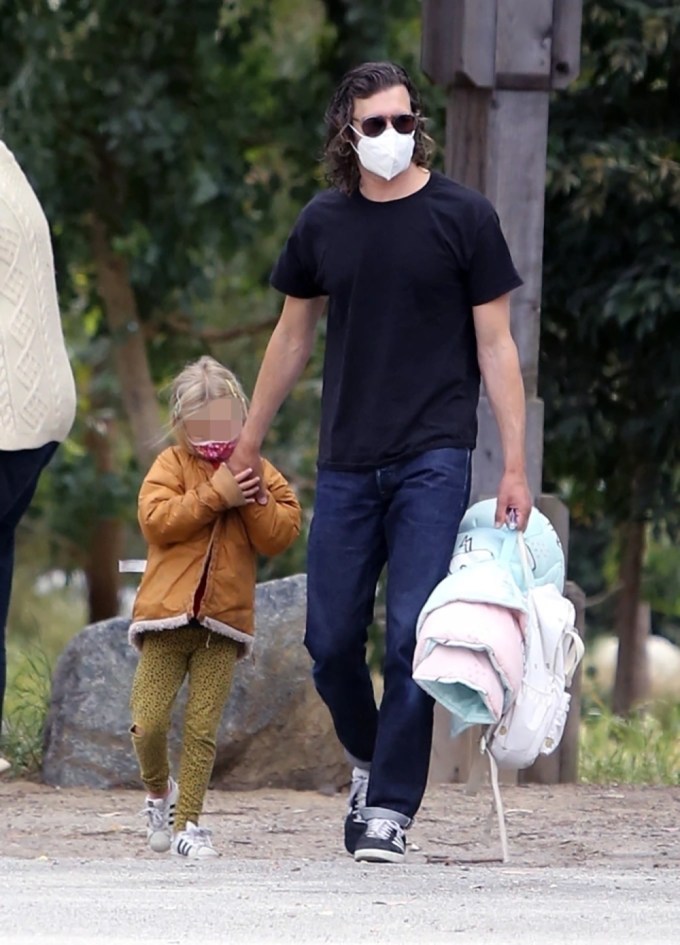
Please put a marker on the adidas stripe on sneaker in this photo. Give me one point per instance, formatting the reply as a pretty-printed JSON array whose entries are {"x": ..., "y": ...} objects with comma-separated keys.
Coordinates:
[
  {"x": 193, "y": 842},
  {"x": 160, "y": 819}
]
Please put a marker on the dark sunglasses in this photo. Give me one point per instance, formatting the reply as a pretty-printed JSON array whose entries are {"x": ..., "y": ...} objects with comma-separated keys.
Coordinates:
[{"x": 374, "y": 125}]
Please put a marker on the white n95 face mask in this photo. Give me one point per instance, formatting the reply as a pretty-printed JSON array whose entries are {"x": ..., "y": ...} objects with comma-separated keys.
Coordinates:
[{"x": 387, "y": 155}]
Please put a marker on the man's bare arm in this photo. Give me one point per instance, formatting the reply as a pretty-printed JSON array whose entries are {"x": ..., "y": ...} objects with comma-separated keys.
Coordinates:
[
  {"x": 500, "y": 369},
  {"x": 287, "y": 354}
]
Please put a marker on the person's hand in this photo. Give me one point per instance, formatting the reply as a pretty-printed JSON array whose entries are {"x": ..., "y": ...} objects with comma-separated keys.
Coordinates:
[
  {"x": 514, "y": 500},
  {"x": 246, "y": 459},
  {"x": 249, "y": 484},
  {"x": 236, "y": 489}
]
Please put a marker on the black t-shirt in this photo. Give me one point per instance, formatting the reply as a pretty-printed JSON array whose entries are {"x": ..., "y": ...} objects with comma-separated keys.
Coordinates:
[{"x": 400, "y": 369}]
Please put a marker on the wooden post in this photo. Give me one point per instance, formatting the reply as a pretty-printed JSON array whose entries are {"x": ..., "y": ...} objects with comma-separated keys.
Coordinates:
[
  {"x": 568, "y": 771},
  {"x": 499, "y": 61}
]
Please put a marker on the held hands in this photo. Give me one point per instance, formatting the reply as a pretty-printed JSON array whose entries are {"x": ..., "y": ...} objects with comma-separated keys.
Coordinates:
[
  {"x": 238, "y": 489},
  {"x": 249, "y": 484},
  {"x": 514, "y": 500},
  {"x": 246, "y": 459}
]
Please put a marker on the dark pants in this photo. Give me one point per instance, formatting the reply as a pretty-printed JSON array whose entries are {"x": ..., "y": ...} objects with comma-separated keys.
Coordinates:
[
  {"x": 19, "y": 474},
  {"x": 406, "y": 515}
]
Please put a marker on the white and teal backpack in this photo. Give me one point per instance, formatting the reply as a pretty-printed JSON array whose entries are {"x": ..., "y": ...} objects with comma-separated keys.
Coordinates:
[{"x": 533, "y": 723}]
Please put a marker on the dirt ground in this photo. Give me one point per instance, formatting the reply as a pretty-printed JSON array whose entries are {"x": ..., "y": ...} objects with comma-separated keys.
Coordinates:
[{"x": 564, "y": 825}]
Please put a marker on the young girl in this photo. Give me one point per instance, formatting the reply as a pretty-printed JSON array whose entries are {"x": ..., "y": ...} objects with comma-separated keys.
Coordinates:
[{"x": 193, "y": 614}]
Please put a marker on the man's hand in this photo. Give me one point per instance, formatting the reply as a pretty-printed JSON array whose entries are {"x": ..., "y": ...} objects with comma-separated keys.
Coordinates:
[
  {"x": 246, "y": 459},
  {"x": 513, "y": 493}
]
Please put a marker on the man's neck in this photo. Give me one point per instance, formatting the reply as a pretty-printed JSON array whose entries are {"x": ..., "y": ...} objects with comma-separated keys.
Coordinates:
[{"x": 409, "y": 182}]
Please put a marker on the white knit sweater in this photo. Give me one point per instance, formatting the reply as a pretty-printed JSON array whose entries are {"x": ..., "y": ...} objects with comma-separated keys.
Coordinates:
[{"x": 37, "y": 391}]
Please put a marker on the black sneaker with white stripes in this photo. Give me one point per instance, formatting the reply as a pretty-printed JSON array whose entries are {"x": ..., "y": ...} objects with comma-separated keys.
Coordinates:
[{"x": 383, "y": 841}]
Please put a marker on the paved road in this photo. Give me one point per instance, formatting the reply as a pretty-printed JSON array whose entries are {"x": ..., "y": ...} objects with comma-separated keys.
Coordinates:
[{"x": 68, "y": 902}]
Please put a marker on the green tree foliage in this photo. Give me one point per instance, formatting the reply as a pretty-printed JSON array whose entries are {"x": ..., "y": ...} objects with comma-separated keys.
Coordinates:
[
  {"x": 172, "y": 146},
  {"x": 609, "y": 358},
  {"x": 610, "y": 365}
]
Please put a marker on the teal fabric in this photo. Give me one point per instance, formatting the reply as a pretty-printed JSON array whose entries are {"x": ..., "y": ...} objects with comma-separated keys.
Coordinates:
[{"x": 466, "y": 704}]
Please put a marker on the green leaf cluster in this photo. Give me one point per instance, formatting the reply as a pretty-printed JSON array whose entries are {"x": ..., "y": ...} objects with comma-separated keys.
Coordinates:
[{"x": 610, "y": 363}]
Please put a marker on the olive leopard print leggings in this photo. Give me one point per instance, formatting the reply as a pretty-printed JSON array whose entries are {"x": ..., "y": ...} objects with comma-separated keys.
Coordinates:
[{"x": 167, "y": 657}]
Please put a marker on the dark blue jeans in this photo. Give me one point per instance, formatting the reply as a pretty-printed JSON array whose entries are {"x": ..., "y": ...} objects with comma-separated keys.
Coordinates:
[
  {"x": 19, "y": 474},
  {"x": 405, "y": 515}
]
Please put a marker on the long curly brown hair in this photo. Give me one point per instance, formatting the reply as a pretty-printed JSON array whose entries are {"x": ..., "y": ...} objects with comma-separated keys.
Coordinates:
[{"x": 342, "y": 169}]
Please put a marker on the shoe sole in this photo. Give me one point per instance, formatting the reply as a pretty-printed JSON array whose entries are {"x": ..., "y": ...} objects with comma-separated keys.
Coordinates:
[
  {"x": 203, "y": 856},
  {"x": 378, "y": 856},
  {"x": 159, "y": 842}
]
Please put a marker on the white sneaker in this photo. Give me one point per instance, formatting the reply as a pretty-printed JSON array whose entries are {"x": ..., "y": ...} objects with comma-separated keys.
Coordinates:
[
  {"x": 4, "y": 765},
  {"x": 160, "y": 819},
  {"x": 194, "y": 843}
]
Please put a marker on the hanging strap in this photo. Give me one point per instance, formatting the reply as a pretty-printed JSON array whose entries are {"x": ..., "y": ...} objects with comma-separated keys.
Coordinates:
[
  {"x": 513, "y": 542},
  {"x": 573, "y": 653},
  {"x": 498, "y": 803},
  {"x": 527, "y": 571},
  {"x": 514, "y": 546},
  {"x": 509, "y": 546}
]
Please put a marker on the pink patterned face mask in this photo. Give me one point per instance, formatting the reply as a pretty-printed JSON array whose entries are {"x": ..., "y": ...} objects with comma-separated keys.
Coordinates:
[{"x": 216, "y": 451}]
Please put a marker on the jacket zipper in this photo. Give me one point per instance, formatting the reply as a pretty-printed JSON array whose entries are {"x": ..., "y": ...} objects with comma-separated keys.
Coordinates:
[{"x": 204, "y": 574}]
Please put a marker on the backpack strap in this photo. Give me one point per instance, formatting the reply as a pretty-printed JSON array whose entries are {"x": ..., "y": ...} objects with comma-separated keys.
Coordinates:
[
  {"x": 514, "y": 546},
  {"x": 497, "y": 805},
  {"x": 525, "y": 560},
  {"x": 573, "y": 653},
  {"x": 509, "y": 545}
]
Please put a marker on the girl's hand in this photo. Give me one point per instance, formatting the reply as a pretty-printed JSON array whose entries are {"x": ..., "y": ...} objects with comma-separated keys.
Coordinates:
[
  {"x": 249, "y": 484},
  {"x": 246, "y": 459},
  {"x": 236, "y": 489}
]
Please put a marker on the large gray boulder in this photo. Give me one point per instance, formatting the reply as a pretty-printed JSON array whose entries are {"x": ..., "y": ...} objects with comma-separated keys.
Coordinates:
[{"x": 275, "y": 731}]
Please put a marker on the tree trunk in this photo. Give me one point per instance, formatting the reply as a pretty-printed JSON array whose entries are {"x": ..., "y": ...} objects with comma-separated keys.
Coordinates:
[
  {"x": 130, "y": 357},
  {"x": 631, "y": 685},
  {"x": 358, "y": 38},
  {"x": 106, "y": 535}
]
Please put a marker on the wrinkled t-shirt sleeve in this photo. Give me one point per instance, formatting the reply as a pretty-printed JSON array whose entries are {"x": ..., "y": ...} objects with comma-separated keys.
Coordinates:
[
  {"x": 294, "y": 272},
  {"x": 491, "y": 272}
]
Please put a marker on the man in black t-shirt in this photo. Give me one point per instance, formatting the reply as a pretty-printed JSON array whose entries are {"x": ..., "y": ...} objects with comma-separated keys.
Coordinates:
[{"x": 416, "y": 273}]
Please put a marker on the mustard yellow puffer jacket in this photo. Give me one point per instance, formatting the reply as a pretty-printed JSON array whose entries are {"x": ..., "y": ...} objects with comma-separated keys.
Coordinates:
[{"x": 191, "y": 530}]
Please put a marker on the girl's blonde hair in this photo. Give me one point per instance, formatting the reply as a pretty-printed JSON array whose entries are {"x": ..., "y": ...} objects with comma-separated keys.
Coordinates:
[{"x": 200, "y": 382}]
